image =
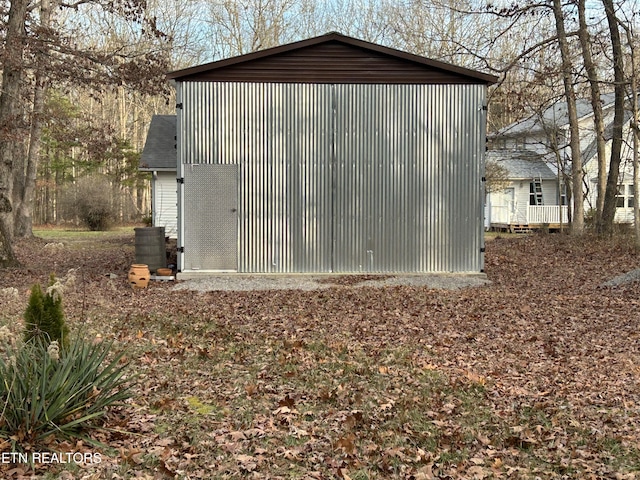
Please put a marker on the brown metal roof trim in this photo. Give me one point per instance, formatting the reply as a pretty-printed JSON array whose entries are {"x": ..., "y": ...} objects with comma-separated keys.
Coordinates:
[{"x": 332, "y": 58}]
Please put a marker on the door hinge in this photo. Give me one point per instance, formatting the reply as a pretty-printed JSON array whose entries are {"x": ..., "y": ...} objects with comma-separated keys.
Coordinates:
[
  {"x": 180, "y": 249},
  {"x": 482, "y": 249},
  {"x": 178, "y": 106},
  {"x": 180, "y": 180}
]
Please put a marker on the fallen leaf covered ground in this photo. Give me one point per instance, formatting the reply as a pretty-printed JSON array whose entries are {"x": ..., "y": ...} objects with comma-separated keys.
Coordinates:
[{"x": 533, "y": 376}]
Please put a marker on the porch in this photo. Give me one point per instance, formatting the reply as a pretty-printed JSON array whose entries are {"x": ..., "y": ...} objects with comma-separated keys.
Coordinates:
[{"x": 532, "y": 217}]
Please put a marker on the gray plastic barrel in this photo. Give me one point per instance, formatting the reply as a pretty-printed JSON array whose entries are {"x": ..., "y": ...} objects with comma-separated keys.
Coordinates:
[{"x": 150, "y": 247}]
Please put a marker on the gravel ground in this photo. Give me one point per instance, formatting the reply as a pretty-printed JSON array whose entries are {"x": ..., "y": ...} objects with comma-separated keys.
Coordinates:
[{"x": 240, "y": 282}]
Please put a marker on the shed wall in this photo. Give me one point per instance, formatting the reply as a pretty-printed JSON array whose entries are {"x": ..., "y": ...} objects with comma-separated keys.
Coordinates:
[{"x": 345, "y": 178}]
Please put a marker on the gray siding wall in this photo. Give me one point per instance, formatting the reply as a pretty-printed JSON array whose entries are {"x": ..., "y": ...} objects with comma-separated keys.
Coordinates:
[{"x": 345, "y": 178}]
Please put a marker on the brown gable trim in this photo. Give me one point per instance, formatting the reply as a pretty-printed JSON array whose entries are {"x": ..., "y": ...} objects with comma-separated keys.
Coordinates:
[{"x": 328, "y": 62}]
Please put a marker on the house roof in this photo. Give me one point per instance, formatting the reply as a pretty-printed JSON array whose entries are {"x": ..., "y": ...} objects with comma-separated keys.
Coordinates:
[
  {"x": 556, "y": 116},
  {"x": 332, "y": 58},
  {"x": 521, "y": 164},
  {"x": 159, "y": 151}
]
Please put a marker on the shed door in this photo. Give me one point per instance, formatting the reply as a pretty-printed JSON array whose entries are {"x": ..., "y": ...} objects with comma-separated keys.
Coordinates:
[{"x": 211, "y": 217}]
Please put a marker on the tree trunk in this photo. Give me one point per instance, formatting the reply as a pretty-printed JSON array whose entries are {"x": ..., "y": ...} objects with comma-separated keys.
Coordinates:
[
  {"x": 636, "y": 159},
  {"x": 23, "y": 220},
  {"x": 11, "y": 122},
  {"x": 577, "y": 225},
  {"x": 598, "y": 117},
  {"x": 636, "y": 138},
  {"x": 609, "y": 208}
]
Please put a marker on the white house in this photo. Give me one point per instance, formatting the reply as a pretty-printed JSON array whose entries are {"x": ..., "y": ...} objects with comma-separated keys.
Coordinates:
[
  {"x": 547, "y": 135},
  {"x": 159, "y": 157},
  {"x": 532, "y": 197}
]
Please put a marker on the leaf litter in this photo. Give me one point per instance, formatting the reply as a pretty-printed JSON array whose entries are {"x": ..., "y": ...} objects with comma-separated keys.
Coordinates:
[{"x": 532, "y": 376}]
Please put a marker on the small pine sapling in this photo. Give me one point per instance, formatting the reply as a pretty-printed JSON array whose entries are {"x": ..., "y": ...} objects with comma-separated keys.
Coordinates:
[{"x": 44, "y": 317}]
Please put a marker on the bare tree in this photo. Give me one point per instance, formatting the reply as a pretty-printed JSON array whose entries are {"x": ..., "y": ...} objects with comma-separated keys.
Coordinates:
[
  {"x": 596, "y": 103},
  {"x": 31, "y": 48},
  {"x": 636, "y": 141},
  {"x": 497, "y": 177},
  {"x": 11, "y": 122},
  {"x": 23, "y": 221},
  {"x": 243, "y": 26},
  {"x": 453, "y": 31},
  {"x": 632, "y": 43},
  {"x": 577, "y": 225},
  {"x": 609, "y": 206}
]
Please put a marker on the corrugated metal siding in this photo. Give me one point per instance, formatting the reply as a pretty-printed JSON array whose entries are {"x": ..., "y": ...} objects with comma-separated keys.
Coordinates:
[
  {"x": 346, "y": 178},
  {"x": 280, "y": 135},
  {"x": 285, "y": 192},
  {"x": 408, "y": 178}
]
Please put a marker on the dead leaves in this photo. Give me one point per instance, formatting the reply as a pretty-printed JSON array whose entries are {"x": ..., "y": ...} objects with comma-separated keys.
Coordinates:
[
  {"x": 347, "y": 444},
  {"x": 248, "y": 463},
  {"x": 533, "y": 376}
]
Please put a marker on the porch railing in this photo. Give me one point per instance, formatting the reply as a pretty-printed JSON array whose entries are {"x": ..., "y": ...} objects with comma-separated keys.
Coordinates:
[
  {"x": 533, "y": 215},
  {"x": 541, "y": 214}
]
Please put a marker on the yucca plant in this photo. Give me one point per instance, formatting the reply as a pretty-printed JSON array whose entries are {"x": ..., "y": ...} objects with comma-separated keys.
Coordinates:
[{"x": 47, "y": 391}]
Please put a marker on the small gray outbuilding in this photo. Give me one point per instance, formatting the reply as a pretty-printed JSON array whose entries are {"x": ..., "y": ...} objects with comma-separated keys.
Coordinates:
[
  {"x": 159, "y": 158},
  {"x": 330, "y": 155}
]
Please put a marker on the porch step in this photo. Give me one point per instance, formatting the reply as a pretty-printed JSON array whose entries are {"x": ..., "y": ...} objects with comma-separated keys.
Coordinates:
[{"x": 520, "y": 229}]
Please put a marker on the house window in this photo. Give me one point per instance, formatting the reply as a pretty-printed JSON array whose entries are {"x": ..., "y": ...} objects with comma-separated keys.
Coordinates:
[
  {"x": 563, "y": 194},
  {"x": 532, "y": 194},
  {"x": 620, "y": 196},
  {"x": 535, "y": 193},
  {"x": 624, "y": 196}
]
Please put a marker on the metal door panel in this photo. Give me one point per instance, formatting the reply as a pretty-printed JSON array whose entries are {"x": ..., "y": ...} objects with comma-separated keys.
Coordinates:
[{"x": 211, "y": 217}]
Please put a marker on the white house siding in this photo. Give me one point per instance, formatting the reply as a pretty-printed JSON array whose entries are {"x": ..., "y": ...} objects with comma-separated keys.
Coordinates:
[
  {"x": 522, "y": 201},
  {"x": 550, "y": 192},
  {"x": 165, "y": 199},
  {"x": 625, "y": 179},
  {"x": 508, "y": 206},
  {"x": 523, "y": 192},
  {"x": 537, "y": 141},
  {"x": 505, "y": 207}
]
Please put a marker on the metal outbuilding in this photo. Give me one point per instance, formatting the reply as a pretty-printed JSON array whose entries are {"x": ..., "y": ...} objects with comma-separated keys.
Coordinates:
[{"x": 330, "y": 155}]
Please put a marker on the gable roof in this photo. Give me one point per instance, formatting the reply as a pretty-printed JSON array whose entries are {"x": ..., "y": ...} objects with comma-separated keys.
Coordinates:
[
  {"x": 554, "y": 117},
  {"x": 159, "y": 151},
  {"x": 332, "y": 58},
  {"x": 521, "y": 164}
]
